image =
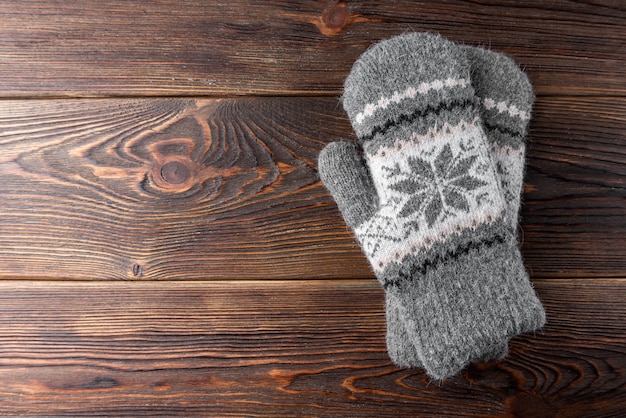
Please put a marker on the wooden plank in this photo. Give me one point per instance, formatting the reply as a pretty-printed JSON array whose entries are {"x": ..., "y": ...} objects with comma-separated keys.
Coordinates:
[
  {"x": 170, "y": 48},
  {"x": 574, "y": 211},
  {"x": 287, "y": 348},
  {"x": 170, "y": 189},
  {"x": 95, "y": 189}
]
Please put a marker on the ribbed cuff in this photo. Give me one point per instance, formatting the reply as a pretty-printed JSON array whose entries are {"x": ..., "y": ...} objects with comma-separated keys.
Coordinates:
[{"x": 460, "y": 311}]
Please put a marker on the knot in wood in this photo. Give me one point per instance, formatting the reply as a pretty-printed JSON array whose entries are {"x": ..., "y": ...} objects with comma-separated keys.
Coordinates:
[
  {"x": 334, "y": 19},
  {"x": 174, "y": 172}
]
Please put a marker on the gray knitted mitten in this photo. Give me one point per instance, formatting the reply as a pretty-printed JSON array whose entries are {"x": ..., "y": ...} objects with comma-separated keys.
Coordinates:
[
  {"x": 425, "y": 203},
  {"x": 505, "y": 98}
]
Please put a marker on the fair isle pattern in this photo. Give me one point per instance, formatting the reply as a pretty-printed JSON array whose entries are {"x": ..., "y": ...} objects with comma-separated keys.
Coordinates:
[
  {"x": 430, "y": 135},
  {"x": 409, "y": 93},
  {"x": 503, "y": 107},
  {"x": 430, "y": 187},
  {"x": 510, "y": 168}
]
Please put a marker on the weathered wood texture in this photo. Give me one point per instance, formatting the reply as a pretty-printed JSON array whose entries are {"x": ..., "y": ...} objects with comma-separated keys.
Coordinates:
[
  {"x": 574, "y": 211},
  {"x": 89, "y": 47},
  {"x": 87, "y": 195},
  {"x": 310, "y": 348},
  {"x": 190, "y": 197}
]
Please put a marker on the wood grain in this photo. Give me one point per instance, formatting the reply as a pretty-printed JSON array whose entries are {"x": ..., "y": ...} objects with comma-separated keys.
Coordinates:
[
  {"x": 159, "y": 256},
  {"x": 287, "y": 349},
  {"x": 575, "y": 189},
  {"x": 168, "y": 48},
  {"x": 85, "y": 195}
]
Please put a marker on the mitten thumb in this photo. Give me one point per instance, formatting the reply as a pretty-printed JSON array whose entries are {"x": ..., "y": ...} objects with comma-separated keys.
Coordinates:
[{"x": 347, "y": 178}]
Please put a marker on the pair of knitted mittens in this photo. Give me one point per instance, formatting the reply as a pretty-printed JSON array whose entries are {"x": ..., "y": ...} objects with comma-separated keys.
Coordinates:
[{"x": 433, "y": 193}]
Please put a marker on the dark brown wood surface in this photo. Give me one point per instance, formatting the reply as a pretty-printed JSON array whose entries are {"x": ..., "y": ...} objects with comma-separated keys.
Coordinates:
[
  {"x": 287, "y": 348},
  {"x": 173, "y": 48},
  {"x": 166, "y": 247}
]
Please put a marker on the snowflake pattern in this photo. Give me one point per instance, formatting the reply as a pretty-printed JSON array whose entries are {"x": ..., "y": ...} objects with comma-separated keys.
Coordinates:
[
  {"x": 429, "y": 187},
  {"x": 435, "y": 189}
]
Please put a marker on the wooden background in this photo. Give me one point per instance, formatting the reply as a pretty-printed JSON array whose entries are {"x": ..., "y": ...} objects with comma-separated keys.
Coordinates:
[{"x": 166, "y": 247}]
